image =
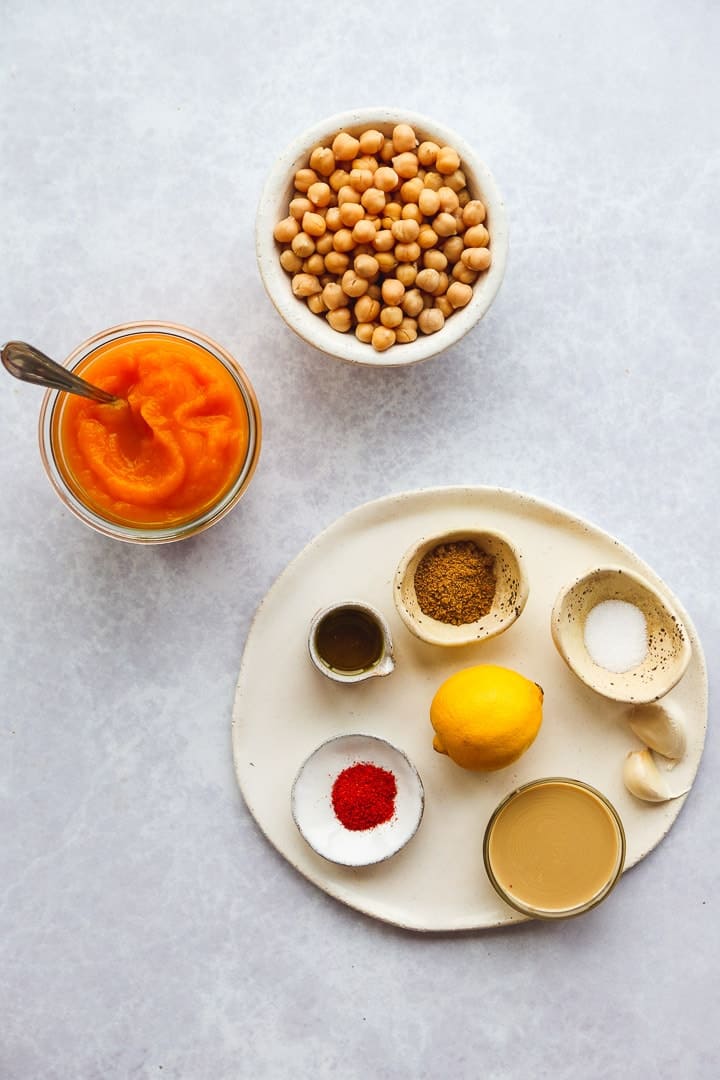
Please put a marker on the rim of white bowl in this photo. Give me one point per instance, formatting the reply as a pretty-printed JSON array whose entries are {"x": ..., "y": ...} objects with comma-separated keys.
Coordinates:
[{"x": 316, "y": 331}]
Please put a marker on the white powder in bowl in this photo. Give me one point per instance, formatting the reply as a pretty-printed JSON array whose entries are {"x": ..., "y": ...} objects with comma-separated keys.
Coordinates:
[{"x": 616, "y": 635}]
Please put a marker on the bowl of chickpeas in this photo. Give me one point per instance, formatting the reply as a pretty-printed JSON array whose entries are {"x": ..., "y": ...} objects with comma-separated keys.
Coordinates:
[{"x": 381, "y": 237}]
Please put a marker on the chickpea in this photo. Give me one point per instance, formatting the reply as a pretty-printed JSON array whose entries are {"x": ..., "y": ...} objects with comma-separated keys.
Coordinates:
[
  {"x": 333, "y": 296},
  {"x": 313, "y": 224},
  {"x": 347, "y": 194},
  {"x": 427, "y": 152},
  {"x": 345, "y": 147},
  {"x": 429, "y": 201},
  {"x": 305, "y": 284},
  {"x": 456, "y": 180},
  {"x": 324, "y": 243},
  {"x": 386, "y": 261},
  {"x": 474, "y": 213},
  {"x": 319, "y": 194},
  {"x": 371, "y": 141},
  {"x": 352, "y": 284},
  {"x": 340, "y": 319},
  {"x": 316, "y": 305},
  {"x": 364, "y": 232},
  {"x": 290, "y": 261},
  {"x": 445, "y": 224},
  {"x": 442, "y": 284},
  {"x": 406, "y": 274},
  {"x": 350, "y": 213},
  {"x": 336, "y": 262},
  {"x": 364, "y": 162},
  {"x": 476, "y": 258},
  {"x": 410, "y": 190},
  {"x": 338, "y": 179},
  {"x": 304, "y": 178},
  {"x": 286, "y": 230},
  {"x": 303, "y": 245},
  {"x": 448, "y": 199},
  {"x": 453, "y": 248},
  {"x": 434, "y": 260},
  {"x": 443, "y": 304},
  {"x": 322, "y": 160},
  {"x": 406, "y": 331},
  {"x": 430, "y": 320},
  {"x": 299, "y": 207},
  {"x": 343, "y": 240},
  {"x": 427, "y": 237},
  {"x": 403, "y": 138},
  {"x": 433, "y": 180},
  {"x": 366, "y": 266},
  {"x": 375, "y": 292},
  {"x": 385, "y": 178},
  {"x": 393, "y": 291},
  {"x": 406, "y": 165},
  {"x": 392, "y": 212},
  {"x": 463, "y": 273},
  {"x": 373, "y": 200},
  {"x": 458, "y": 294},
  {"x": 405, "y": 230},
  {"x": 364, "y": 331},
  {"x": 407, "y": 252},
  {"x": 386, "y": 150},
  {"x": 383, "y": 337},
  {"x": 391, "y": 316},
  {"x": 361, "y": 179},
  {"x": 412, "y": 212},
  {"x": 314, "y": 265},
  {"x": 384, "y": 240},
  {"x": 428, "y": 280},
  {"x": 412, "y": 303},
  {"x": 447, "y": 160},
  {"x": 333, "y": 218},
  {"x": 367, "y": 308},
  {"x": 463, "y": 197},
  {"x": 476, "y": 236}
]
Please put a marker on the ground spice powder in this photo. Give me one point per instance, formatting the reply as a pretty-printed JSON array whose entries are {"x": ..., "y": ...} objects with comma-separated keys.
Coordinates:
[
  {"x": 455, "y": 582},
  {"x": 363, "y": 796}
]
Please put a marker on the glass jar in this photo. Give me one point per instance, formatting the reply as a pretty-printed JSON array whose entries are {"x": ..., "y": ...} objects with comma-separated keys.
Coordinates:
[{"x": 75, "y": 495}]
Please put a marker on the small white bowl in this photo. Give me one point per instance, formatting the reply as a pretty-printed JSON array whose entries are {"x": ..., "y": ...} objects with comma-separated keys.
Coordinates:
[
  {"x": 668, "y": 652},
  {"x": 511, "y": 591},
  {"x": 312, "y": 809},
  {"x": 274, "y": 206}
]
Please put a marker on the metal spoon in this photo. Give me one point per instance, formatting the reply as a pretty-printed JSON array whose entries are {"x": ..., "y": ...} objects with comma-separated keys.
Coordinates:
[{"x": 29, "y": 364}]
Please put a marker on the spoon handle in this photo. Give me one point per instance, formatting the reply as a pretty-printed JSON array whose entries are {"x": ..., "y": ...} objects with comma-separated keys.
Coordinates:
[{"x": 29, "y": 364}]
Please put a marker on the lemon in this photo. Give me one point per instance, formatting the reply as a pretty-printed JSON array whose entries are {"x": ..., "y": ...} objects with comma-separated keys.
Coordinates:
[{"x": 485, "y": 717}]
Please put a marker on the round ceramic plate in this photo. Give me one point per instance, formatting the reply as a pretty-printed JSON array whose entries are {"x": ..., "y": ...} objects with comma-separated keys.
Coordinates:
[{"x": 284, "y": 708}]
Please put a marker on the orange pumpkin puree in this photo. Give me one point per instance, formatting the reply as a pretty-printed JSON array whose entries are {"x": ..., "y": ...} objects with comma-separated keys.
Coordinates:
[{"x": 171, "y": 449}]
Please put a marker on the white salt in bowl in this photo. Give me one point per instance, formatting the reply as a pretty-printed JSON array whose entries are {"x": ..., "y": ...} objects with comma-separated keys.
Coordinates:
[
  {"x": 273, "y": 207},
  {"x": 312, "y": 809},
  {"x": 511, "y": 590},
  {"x": 668, "y": 646}
]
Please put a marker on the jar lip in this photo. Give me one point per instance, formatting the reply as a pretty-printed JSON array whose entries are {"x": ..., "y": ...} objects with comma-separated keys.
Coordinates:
[
  {"x": 602, "y": 893},
  {"x": 167, "y": 533}
]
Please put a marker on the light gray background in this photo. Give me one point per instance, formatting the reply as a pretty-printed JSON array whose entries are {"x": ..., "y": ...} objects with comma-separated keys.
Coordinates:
[{"x": 146, "y": 927}]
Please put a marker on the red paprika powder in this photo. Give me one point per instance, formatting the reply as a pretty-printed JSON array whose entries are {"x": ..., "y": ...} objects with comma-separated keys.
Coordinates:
[{"x": 363, "y": 796}]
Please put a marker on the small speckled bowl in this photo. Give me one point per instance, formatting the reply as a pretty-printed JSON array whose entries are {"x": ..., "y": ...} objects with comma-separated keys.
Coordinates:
[
  {"x": 312, "y": 808},
  {"x": 668, "y": 652},
  {"x": 511, "y": 590},
  {"x": 273, "y": 207}
]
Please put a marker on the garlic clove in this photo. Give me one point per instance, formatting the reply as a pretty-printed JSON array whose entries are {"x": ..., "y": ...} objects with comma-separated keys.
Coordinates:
[
  {"x": 644, "y": 780},
  {"x": 660, "y": 728}
]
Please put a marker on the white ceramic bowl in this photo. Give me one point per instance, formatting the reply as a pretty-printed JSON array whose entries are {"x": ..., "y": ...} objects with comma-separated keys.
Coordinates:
[
  {"x": 313, "y": 812},
  {"x": 511, "y": 590},
  {"x": 274, "y": 206},
  {"x": 668, "y": 652}
]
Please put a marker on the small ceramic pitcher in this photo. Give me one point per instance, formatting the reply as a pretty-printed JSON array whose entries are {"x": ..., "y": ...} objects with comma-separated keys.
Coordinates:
[{"x": 350, "y": 642}]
